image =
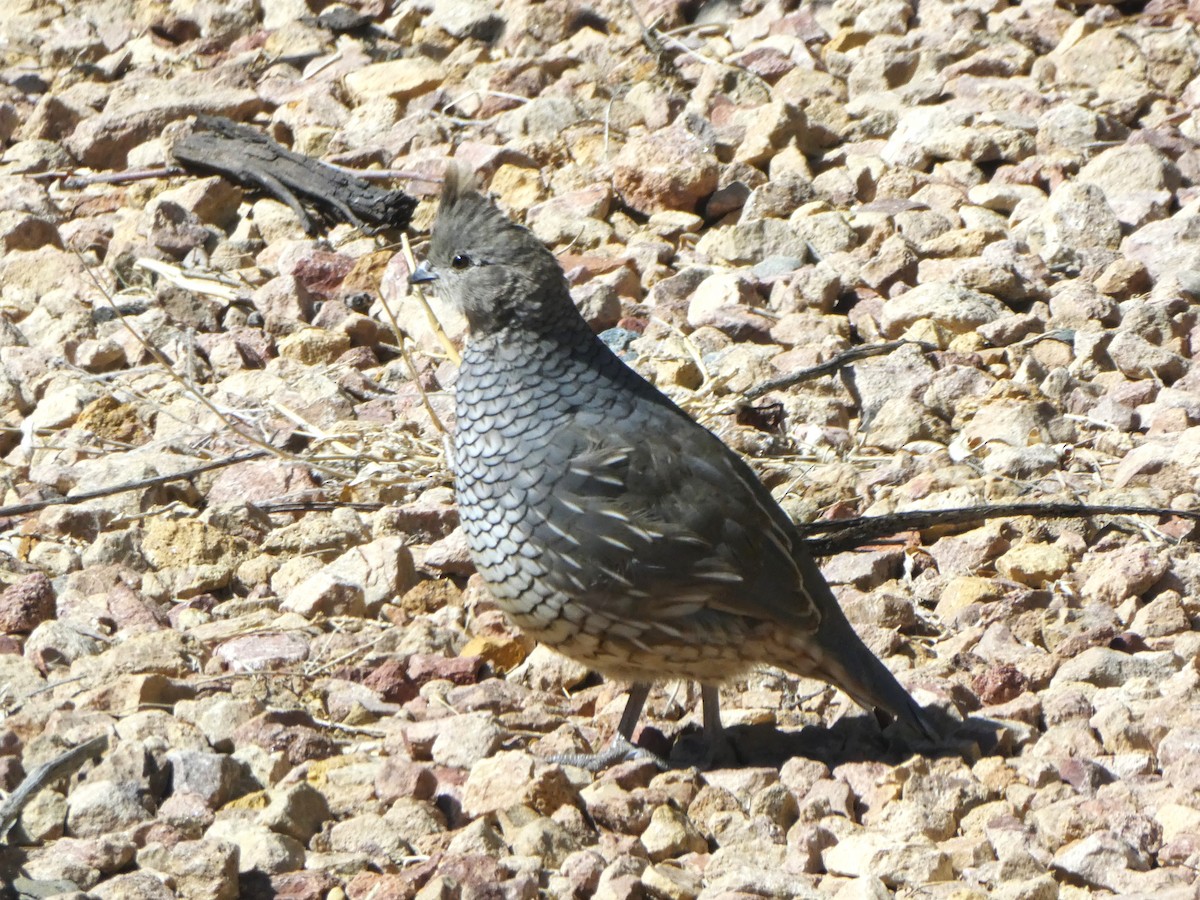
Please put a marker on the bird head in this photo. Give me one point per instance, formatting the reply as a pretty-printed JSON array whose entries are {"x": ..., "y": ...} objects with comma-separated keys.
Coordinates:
[{"x": 494, "y": 271}]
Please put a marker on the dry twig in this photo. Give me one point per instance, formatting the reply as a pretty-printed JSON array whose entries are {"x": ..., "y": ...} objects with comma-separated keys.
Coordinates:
[
  {"x": 34, "y": 506},
  {"x": 63, "y": 764},
  {"x": 831, "y": 365},
  {"x": 847, "y": 534}
]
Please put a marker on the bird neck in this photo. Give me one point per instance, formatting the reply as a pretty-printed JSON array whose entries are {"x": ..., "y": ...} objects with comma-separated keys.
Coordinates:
[{"x": 554, "y": 320}]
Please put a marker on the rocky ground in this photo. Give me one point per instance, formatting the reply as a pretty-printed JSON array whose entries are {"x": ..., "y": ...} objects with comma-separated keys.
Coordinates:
[{"x": 304, "y": 691}]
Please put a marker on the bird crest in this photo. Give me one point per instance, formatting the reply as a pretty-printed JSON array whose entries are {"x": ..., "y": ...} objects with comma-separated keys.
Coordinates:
[
  {"x": 458, "y": 181},
  {"x": 466, "y": 218}
]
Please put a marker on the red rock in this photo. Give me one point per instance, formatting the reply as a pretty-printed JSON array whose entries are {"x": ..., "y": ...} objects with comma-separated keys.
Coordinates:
[
  {"x": 425, "y": 667},
  {"x": 11, "y": 772},
  {"x": 321, "y": 272},
  {"x": 26, "y": 603},
  {"x": 392, "y": 682},
  {"x": 399, "y": 886},
  {"x": 313, "y": 885},
  {"x": 1000, "y": 684},
  {"x": 473, "y": 869},
  {"x": 291, "y": 732}
]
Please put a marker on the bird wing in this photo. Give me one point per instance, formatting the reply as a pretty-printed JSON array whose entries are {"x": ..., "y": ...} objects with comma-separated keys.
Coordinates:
[{"x": 655, "y": 519}]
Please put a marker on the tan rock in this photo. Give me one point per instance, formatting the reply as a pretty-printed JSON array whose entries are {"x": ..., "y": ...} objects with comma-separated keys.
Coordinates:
[
  {"x": 514, "y": 778},
  {"x": 401, "y": 79},
  {"x": 965, "y": 591},
  {"x": 1034, "y": 564},
  {"x": 671, "y": 834}
]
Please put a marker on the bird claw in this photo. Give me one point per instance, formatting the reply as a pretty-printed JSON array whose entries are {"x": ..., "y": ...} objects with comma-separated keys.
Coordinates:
[{"x": 619, "y": 751}]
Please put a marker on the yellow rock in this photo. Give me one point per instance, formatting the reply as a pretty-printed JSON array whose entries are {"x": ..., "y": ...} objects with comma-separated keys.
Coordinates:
[
  {"x": 107, "y": 418},
  {"x": 503, "y": 652},
  {"x": 964, "y": 591},
  {"x": 402, "y": 79},
  {"x": 256, "y": 800},
  {"x": 314, "y": 346},
  {"x": 929, "y": 332},
  {"x": 682, "y": 372},
  {"x": 1034, "y": 564},
  {"x": 1176, "y": 819},
  {"x": 188, "y": 542},
  {"x": 966, "y": 343},
  {"x": 430, "y": 596},
  {"x": 519, "y": 187}
]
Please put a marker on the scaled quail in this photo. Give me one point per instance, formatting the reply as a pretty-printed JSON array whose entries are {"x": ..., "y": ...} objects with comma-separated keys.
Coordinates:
[{"x": 606, "y": 523}]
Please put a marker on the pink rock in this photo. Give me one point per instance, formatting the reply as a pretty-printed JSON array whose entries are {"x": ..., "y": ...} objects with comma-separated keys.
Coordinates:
[
  {"x": 398, "y": 778},
  {"x": 1000, "y": 684},
  {"x": 428, "y": 518},
  {"x": 450, "y": 555},
  {"x": 313, "y": 885},
  {"x": 236, "y": 349},
  {"x": 671, "y": 169},
  {"x": 428, "y": 667},
  {"x": 392, "y": 682},
  {"x": 285, "y": 303},
  {"x": 290, "y": 731},
  {"x": 263, "y": 652},
  {"x": 1128, "y": 572},
  {"x": 864, "y": 569},
  {"x": 259, "y": 480},
  {"x": 26, "y": 603},
  {"x": 321, "y": 272}
]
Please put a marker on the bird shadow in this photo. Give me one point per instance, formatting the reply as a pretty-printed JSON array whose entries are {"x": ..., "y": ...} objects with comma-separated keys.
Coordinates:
[{"x": 855, "y": 738}]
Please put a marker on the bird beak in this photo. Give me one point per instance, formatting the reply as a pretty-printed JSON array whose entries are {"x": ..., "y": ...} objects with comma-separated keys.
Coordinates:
[{"x": 423, "y": 274}]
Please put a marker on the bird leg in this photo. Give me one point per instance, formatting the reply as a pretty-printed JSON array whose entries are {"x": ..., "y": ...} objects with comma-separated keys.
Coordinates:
[
  {"x": 715, "y": 750},
  {"x": 633, "y": 710},
  {"x": 710, "y": 701},
  {"x": 622, "y": 748}
]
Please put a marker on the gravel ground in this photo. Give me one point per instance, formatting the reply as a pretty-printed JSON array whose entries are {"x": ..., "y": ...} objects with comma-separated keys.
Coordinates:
[{"x": 305, "y": 691}]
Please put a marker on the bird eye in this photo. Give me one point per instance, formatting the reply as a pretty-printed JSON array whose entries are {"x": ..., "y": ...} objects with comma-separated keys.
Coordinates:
[{"x": 460, "y": 261}]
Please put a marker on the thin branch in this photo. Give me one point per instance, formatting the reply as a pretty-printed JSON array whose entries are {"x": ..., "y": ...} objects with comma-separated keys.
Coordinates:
[
  {"x": 72, "y": 181},
  {"x": 64, "y": 764},
  {"x": 831, "y": 365},
  {"x": 416, "y": 379},
  {"x": 402, "y": 336},
  {"x": 289, "y": 506},
  {"x": 198, "y": 284},
  {"x": 158, "y": 356},
  {"x": 22, "y": 508},
  {"x": 434, "y": 324},
  {"x": 847, "y": 534}
]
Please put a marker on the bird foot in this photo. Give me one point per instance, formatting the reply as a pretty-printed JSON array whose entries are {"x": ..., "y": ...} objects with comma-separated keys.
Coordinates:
[{"x": 620, "y": 750}]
